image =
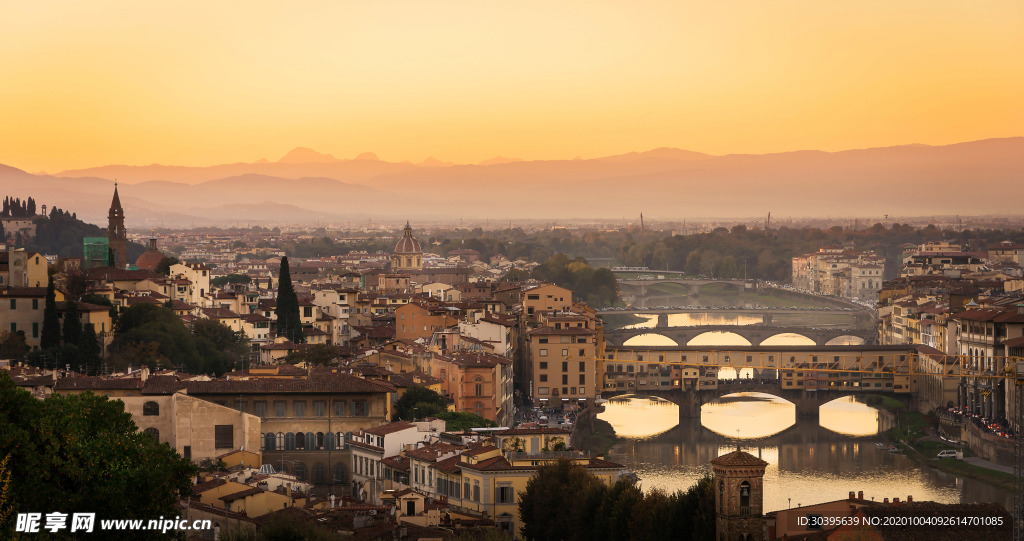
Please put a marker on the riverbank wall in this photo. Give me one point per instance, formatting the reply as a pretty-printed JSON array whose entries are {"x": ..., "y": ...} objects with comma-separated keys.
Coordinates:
[{"x": 983, "y": 444}]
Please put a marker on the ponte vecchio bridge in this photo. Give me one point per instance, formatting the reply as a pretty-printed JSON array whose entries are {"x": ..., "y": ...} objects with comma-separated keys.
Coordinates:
[
  {"x": 807, "y": 376},
  {"x": 754, "y": 334}
]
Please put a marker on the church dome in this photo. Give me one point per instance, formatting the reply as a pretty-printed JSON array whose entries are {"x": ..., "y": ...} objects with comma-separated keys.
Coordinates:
[
  {"x": 408, "y": 244},
  {"x": 150, "y": 258}
]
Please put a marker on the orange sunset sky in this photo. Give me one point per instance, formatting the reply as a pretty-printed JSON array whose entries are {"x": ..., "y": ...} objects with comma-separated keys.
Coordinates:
[{"x": 198, "y": 83}]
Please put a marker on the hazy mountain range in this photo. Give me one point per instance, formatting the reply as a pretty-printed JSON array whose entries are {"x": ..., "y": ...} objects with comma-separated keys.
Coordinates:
[{"x": 306, "y": 186}]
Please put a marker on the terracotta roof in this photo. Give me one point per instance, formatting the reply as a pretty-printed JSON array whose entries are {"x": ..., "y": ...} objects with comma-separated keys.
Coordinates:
[
  {"x": 432, "y": 451},
  {"x": 400, "y": 463},
  {"x": 570, "y": 330},
  {"x": 1014, "y": 342},
  {"x": 241, "y": 494},
  {"x": 468, "y": 359},
  {"x": 738, "y": 458},
  {"x": 323, "y": 383},
  {"x": 483, "y": 449},
  {"x": 97, "y": 383},
  {"x": 207, "y": 485},
  {"x": 384, "y": 430},
  {"x": 24, "y": 292},
  {"x": 162, "y": 385}
]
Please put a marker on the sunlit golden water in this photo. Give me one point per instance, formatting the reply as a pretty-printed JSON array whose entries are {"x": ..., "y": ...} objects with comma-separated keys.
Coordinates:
[{"x": 809, "y": 461}]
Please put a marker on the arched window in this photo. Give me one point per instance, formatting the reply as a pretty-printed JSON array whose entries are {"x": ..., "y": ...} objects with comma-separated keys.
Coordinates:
[
  {"x": 300, "y": 471},
  {"x": 289, "y": 442},
  {"x": 151, "y": 408},
  {"x": 280, "y": 440},
  {"x": 329, "y": 441},
  {"x": 319, "y": 474},
  {"x": 269, "y": 442},
  {"x": 319, "y": 440},
  {"x": 300, "y": 441},
  {"x": 153, "y": 432},
  {"x": 744, "y": 494},
  {"x": 310, "y": 441}
]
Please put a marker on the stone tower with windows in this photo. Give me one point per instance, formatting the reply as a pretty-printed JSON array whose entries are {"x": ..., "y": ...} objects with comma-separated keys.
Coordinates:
[
  {"x": 739, "y": 495},
  {"x": 117, "y": 237}
]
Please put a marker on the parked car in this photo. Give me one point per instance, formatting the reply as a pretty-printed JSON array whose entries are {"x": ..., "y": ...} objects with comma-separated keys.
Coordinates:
[{"x": 947, "y": 453}]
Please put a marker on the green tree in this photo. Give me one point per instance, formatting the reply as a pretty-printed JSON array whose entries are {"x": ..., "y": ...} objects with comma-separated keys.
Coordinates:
[
  {"x": 141, "y": 325},
  {"x": 50, "y": 336},
  {"x": 83, "y": 453},
  {"x": 288, "y": 323},
  {"x": 315, "y": 354},
  {"x": 90, "y": 349},
  {"x": 220, "y": 281},
  {"x": 549, "y": 507},
  {"x": 221, "y": 347},
  {"x": 164, "y": 266},
  {"x": 72, "y": 332},
  {"x": 419, "y": 402},
  {"x": 13, "y": 344}
]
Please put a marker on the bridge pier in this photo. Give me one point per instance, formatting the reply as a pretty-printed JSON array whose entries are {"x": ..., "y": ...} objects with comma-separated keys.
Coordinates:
[
  {"x": 808, "y": 407},
  {"x": 662, "y": 320},
  {"x": 689, "y": 404}
]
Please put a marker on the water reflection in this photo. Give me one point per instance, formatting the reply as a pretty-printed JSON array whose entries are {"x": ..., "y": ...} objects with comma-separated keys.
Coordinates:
[
  {"x": 650, "y": 321},
  {"x": 716, "y": 338},
  {"x": 847, "y": 416},
  {"x": 706, "y": 318},
  {"x": 748, "y": 415},
  {"x": 788, "y": 339},
  {"x": 807, "y": 462},
  {"x": 650, "y": 339},
  {"x": 640, "y": 417}
]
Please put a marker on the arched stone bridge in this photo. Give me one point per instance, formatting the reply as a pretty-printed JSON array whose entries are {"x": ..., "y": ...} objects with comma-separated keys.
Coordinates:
[
  {"x": 755, "y": 334},
  {"x": 807, "y": 402},
  {"x": 693, "y": 285}
]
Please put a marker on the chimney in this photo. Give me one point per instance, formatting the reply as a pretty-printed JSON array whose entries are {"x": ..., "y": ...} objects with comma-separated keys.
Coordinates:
[
  {"x": 895, "y": 500},
  {"x": 886, "y": 500},
  {"x": 910, "y": 499},
  {"x": 852, "y": 494},
  {"x": 860, "y": 494}
]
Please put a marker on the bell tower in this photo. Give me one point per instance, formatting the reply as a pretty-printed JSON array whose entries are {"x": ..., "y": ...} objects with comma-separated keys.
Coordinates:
[
  {"x": 117, "y": 237},
  {"x": 739, "y": 495}
]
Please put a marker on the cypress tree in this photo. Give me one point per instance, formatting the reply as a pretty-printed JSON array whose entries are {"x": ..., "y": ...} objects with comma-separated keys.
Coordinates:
[
  {"x": 288, "y": 323},
  {"x": 51, "y": 322},
  {"x": 72, "y": 325},
  {"x": 90, "y": 349}
]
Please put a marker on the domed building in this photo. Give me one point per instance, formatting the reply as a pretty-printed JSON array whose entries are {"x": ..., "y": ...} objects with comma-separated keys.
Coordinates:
[
  {"x": 150, "y": 258},
  {"x": 408, "y": 255}
]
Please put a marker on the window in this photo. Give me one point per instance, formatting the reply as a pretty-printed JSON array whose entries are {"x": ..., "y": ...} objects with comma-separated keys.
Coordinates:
[
  {"x": 153, "y": 432},
  {"x": 582, "y": 353},
  {"x": 224, "y": 436},
  {"x": 300, "y": 441},
  {"x": 565, "y": 367},
  {"x": 279, "y": 406},
  {"x": 565, "y": 379},
  {"x": 476, "y": 491},
  {"x": 583, "y": 390},
  {"x": 583, "y": 366},
  {"x": 360, "y": 408},
  {"x": 300, "y": 408},
  {"x": 150, "y": 408},
  {"x": 543, "y": 377},
  {"x": 35, "y": 304},
  {"x": 583, "y": 379},
  {"x": 339, "y": 408},
  {"x": 542, "y": 352},
  {"x": 259, "y": 408},
  {"x": 240, "y": 405},
  {"x": 318, "y": 407},
  {"x": 187, "y": 452},
  {"x": 269, "y": 442},
  {"x": 300, "y": 471},
  {"x": 339, "y": 473},
  {"x": 289, "y": 441},
  {"x": 14, "y": 304},
  {"x": 543, "y": 365},
  {"x": 505, "y": 494},
  {"x": 565, "y": 353},
  {"x": 319, "y": 474},
  {"x": 543, "y": 340},
  {"x": 465, "y": 488},
  {"x": 543, "y": 391}
]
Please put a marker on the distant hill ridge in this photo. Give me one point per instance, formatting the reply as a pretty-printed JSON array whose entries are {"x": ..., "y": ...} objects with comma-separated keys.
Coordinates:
[{"x": 664, "y": 183}]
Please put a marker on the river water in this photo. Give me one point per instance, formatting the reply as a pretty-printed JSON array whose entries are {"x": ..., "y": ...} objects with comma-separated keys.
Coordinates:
[{"x": 808, "y": 461}]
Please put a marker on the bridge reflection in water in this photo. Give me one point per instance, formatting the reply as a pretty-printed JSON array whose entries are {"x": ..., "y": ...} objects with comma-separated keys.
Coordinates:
[{"x": 807, "y": 462}]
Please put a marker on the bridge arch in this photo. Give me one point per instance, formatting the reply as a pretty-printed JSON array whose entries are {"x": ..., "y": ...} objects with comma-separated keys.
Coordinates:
[
  {"x": 718, "y": 338},
  {"x": 745, "y": 411},
  {"x": 846, "y": 340},
  {"x": 788, "y": 339},
  {"x": 650, "y": 339}
]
